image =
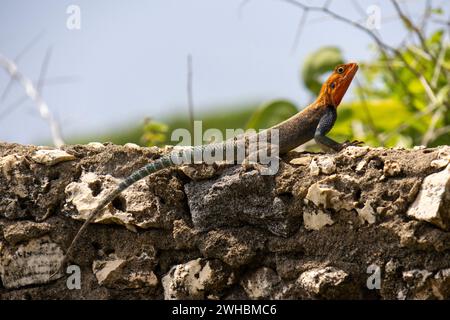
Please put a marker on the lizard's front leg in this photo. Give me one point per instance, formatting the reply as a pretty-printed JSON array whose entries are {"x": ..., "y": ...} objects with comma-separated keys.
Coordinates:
[{"x": 324, "y": 126}]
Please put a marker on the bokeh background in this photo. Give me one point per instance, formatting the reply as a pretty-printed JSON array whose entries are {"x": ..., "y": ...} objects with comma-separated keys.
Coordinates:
[{"x": 128, "y": 63}]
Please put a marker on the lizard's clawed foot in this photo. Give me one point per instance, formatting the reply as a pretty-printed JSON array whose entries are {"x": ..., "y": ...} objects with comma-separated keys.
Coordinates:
[{"x": 354, "y": 143}]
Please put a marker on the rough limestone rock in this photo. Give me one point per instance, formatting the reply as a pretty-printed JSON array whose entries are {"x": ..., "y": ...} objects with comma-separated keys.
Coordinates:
[
  {"x": 261, "y": 284},
  {"x": 25, "y": 230},
  {"x": 316, "y": 220},
  {"x": 210, "y": 202},
  {"x": 325, "y": 226},
  {"x": 318, "y": 281},
  {"x": 433, "y": 202},
  {"x": 51, "y": 157},
  {"x": 118, "y": 273},
  {"x": 196, "y": 279},
  {"x": 31, "y": 263}
]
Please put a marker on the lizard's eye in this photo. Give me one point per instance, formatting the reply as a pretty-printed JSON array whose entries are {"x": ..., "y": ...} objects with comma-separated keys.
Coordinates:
[
  {"x": 340, "y": 70},
  {"x": 333, "y": 85}
]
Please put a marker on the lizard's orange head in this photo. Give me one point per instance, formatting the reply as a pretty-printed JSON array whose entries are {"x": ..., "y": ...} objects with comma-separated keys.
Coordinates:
[{"x": 337, "y": 84}]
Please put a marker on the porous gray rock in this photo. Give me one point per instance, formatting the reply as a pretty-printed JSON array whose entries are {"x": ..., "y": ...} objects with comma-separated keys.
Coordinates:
[{"x": 237, "y": 197}]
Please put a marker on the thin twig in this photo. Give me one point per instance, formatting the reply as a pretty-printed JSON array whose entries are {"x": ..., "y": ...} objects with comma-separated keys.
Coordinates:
[
  {"x": 429, "y": 135},
  {"x": 426, "y": 15},
  {"x": 39, "y": 86},
  {"x": 241, "y": 7},
  {"x": 441, "y": 22},
  {"x": 44, "y": 69},
  {"x": 405, "y": 125},
  {"x": 45, "y": 83},
  {"x": 358, "y": 8},
  {"x": 362, "y": 98},
  {"x": 327, "y": 3},
  {"x": 299, "y": 31},
  {"x": 441, "y": 131},
  {"x": 34, "y": 95},
  {"x": 438, "y": 66},
  {"x": 190, "y": 94},
  {"x": 17, "y": 59},
  {"x": 410, "y": 25}
]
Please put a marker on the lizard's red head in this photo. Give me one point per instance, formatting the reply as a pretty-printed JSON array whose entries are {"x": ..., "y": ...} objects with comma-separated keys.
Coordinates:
[{"x": 337, "y": 84}]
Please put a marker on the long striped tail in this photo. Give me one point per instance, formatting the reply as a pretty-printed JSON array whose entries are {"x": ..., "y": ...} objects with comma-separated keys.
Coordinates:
[{"x": 157, "y": 165}]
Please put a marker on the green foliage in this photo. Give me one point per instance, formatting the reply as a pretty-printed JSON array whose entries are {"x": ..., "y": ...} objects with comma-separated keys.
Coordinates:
[
  {"x": 222, "y": 118},
  {"x": 317, "y": 64},
  {"x": 154, "y": 133},
  {"x": 271, "y": 113},
  {"x": 414, "y": 96}
]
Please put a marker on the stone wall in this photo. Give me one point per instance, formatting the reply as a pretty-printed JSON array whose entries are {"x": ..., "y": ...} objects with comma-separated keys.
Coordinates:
[{"x": 364, "y": 223}]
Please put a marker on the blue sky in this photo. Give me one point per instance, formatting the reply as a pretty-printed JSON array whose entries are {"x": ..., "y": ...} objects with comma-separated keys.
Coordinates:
[{"x": 129, "y": 58}]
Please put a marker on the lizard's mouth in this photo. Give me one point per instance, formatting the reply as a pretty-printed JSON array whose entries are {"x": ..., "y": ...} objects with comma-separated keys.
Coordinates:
[
  {"x": 353, "y": 67},
  {"x": 347, "y": 79}
]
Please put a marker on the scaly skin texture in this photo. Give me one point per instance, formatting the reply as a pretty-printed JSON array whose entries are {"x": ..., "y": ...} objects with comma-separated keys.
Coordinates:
[{"x": 313, "y": 122}]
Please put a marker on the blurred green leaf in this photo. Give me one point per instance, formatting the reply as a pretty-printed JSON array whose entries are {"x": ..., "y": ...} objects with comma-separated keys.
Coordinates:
[
  {"x": 319, "y": 63},
  {"x": 438, "y": 11},
  {"x": 271, "y": 113},
  {"x": 154, "y": 133}
]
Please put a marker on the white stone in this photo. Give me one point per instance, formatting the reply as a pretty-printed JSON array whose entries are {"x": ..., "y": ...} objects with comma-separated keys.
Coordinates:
[
  {"x": 113, "y": 274},
  {"x": 322, "y": 194},
  {"x": 132, "y": 145},
  {"x": 104, "y": 270},
  {"x": 96, "y": 145},
  {"x": 261, "y": 284},
  {"x": 187, "y": 281},
  {"x": 355, "y": 152},
  {"x": 52, "y": 156},
  {"x": 416, "y": 275},
  {"x": 433, "y": 201},
  {"x": 439, "y": 163},
  {"x": 8, "y": 163},
  {"x": 441, "y": 284},
  {"x": 303, "y": 161},
  {"x": 80, "y": 195},
  {"x": 443, "y": 158},
  {"x": 444, "y": 152},
  {"x": 360, "y": 166},
  {"x": 366, "y": 214},
  {"x": 391, "y": 168},
  {"x": 316, "y": 221},
  {"x": 314, "y": 281},
  {"x": 29, "y": 264},
  {"x": 325, "y": 165}
]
